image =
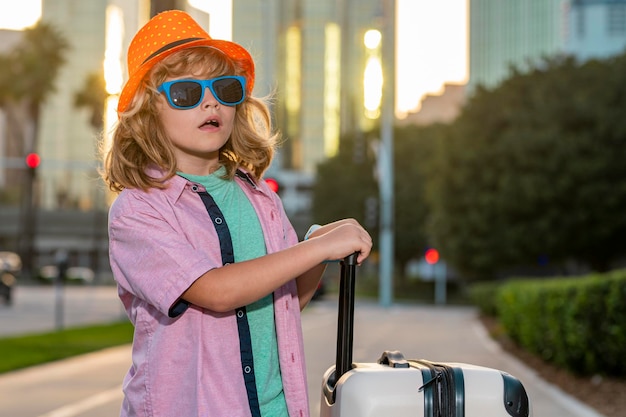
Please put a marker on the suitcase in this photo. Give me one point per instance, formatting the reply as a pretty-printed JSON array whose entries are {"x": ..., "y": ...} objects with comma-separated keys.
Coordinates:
[{"x": 396, "y": 387}]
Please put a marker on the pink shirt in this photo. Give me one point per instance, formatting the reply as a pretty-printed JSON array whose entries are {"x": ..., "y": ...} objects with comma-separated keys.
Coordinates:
[{"x": 161, "y": 241}]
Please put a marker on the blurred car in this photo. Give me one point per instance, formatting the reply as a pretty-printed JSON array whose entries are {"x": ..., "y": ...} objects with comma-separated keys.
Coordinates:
[
  {"x": 10, "y": 267},
  {"x": 73, "y": 275}
]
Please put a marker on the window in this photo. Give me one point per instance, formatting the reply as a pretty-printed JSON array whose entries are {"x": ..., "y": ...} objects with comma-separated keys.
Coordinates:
[{"x": 617, "y": 19}]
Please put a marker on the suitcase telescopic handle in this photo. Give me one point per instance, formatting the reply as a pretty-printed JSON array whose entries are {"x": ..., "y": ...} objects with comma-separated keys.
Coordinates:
[{"x": 345, "y": 322}]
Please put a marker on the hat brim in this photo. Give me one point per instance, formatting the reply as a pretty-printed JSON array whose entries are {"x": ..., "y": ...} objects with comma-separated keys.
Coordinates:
[{"x": 228, "y": 48}]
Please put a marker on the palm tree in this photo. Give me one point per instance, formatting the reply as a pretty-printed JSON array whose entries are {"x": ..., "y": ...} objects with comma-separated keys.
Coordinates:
[
  {"x": 36, "y": 63},
  {"x": 27, "y": 78}
]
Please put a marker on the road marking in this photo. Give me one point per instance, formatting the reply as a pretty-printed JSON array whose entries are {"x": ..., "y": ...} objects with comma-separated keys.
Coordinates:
[{"x": 89, "y": 403}]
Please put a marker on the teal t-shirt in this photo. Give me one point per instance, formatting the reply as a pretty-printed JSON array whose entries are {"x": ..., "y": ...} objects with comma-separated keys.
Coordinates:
[{"x": 248, "y": 243}]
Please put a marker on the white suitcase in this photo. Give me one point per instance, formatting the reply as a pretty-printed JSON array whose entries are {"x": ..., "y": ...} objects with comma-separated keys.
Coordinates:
[{"x": 396, "y": 387}]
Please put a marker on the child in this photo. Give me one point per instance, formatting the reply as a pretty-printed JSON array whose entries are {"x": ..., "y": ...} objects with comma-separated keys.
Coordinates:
[{"x": 209, "y": 269}]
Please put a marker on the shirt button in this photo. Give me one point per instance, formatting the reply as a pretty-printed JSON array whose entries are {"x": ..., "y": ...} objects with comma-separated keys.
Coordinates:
[
  {"x": 247, "y": 369},
  {"x": 218, "y": 220},
  {"x": 240, "y": 313}
]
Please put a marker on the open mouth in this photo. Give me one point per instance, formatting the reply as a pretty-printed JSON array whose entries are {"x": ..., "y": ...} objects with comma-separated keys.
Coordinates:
[{"x": 212, "y": 122}]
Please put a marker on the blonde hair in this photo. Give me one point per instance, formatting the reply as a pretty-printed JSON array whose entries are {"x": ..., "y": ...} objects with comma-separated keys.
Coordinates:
[{"x": 139, "y": 139}]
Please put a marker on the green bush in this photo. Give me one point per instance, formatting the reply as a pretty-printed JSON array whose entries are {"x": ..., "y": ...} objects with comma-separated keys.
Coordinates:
[
  {"x": 483, "y": 295},
  {"x": 576, "y": 323}
]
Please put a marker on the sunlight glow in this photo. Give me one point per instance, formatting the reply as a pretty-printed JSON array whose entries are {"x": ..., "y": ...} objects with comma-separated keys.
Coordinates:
[
  {"x": 113, "y": 54},
  {"x": 113, "y": 72},
  {"x": 293, "y": 61},
  {"x": 220, "y": 17},
  {"x": 332, "y": 89},
  {"x": 373, "y": 75},
  {"x": 19, "y": 15},
  {"x": 372, "y": 39}
]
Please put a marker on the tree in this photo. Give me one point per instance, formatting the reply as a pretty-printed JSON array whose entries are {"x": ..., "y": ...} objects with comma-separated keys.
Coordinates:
[
  {"x": 345, "y": 182},
  {"x": 414, "y": 149},
  {"x": 35, "y": 64},
  {"x": 92, "y": 96},
  {"x": 533, "y": 170}
]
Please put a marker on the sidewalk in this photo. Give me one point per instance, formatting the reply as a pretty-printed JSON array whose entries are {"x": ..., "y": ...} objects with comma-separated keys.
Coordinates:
[
  {"x": 419, "y": 331},
  {"x": 445, "y": 334},
  {"x": 38, "y": 308}
]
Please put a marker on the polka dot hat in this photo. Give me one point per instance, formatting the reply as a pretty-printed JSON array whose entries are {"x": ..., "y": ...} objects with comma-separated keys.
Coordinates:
[{"x": 165, "y": 34}]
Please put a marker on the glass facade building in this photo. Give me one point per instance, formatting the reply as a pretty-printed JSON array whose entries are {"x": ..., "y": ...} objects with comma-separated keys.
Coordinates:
[{"x": 504, "y": 34}]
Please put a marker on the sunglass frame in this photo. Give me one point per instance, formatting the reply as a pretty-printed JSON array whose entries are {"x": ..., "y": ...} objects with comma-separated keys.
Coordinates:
[{"x": 166, "y": 88}]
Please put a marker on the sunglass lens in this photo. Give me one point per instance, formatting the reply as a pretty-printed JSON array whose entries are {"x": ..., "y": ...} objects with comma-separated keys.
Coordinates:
[
  {"x": 228, "y": 90},
  {"x": 185, "y": 93}
]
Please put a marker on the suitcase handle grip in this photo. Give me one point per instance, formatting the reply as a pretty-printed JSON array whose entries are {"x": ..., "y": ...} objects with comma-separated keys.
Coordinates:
[
  {"x": 345, "y": 320},
  {"x": 394, "y": 359}
]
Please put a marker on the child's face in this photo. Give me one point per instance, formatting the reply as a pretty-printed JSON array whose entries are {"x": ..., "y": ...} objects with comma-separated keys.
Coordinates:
[{"x": 197, "y": 133}]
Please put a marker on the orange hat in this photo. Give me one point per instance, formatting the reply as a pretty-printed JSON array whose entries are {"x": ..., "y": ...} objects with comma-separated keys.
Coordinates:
[{"x": 165, "y": 34}]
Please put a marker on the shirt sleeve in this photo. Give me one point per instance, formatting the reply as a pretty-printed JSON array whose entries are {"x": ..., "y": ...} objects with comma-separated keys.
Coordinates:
[{"x": 150, "y": 256}]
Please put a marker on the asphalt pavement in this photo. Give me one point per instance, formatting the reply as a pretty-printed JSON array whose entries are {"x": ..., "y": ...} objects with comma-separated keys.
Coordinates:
[{"x": 90, "y": 385}]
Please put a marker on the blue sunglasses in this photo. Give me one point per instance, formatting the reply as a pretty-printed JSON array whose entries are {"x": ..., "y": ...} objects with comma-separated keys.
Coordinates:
[{"x": 228, "y": 90}]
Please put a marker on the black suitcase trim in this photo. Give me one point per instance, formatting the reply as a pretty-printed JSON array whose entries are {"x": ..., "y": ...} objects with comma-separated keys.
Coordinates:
[
  {"x": 516, "y": 400},
  {"x": 444, "y": 389}
]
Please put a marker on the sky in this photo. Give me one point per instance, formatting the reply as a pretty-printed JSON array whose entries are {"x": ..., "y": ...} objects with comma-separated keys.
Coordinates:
[
  {"x": 432, "y": 48},
  {"x": 431, "y": 40}
]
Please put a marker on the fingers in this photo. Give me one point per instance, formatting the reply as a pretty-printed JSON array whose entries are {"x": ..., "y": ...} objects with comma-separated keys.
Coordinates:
[
  {"x": 365, "y": 244},
  {"x": 365, "y": 251},
  {"x": 345, "y": 237}
]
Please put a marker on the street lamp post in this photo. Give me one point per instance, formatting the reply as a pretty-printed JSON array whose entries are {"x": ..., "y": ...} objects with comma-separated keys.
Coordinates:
[
  {"x": 385, "y": 157},
  {"x": 379, "y": 98}
]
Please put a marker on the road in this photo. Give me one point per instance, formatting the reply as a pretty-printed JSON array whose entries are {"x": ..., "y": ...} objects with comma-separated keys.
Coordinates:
[{"x": 90, "y": 385}]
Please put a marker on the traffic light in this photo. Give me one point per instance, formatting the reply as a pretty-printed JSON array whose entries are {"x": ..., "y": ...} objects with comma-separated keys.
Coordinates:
[
  {"x": 431, "y": 256},
  {"x": 273, "y": 184},
  {"x": 32, "y": 160},
  {"x": 28, "y": 207}
]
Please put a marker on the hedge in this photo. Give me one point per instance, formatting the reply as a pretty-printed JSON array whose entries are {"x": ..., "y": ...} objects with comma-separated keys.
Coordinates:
[{"x": 575, "y": 323}]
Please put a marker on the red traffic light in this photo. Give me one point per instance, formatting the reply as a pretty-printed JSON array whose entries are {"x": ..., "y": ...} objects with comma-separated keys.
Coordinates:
[
  {"x": 273, "y": 184},
  {"x": 33, "y": 160},
  {"x": 431, "y": 256}
]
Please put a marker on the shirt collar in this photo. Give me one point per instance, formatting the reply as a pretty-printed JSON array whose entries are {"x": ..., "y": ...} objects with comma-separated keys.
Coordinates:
[{"x": 175, "y": 186}]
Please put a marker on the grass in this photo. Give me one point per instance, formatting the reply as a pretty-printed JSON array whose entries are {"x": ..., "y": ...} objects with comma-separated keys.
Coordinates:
[{"x": 24, "y": 351}]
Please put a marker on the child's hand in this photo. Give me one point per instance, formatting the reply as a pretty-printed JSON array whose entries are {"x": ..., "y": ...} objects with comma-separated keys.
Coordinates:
[{"x": 342, "y": 238}]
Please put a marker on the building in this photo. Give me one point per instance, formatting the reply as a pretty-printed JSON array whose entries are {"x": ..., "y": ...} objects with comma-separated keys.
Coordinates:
[
  {"x": 67, "y": 142},
  {"x": 438, "y": 108},
  {"x": 309, "y": 53},
  {"x": 595, "y": 29},
  {"x": 505, "y": 34}
]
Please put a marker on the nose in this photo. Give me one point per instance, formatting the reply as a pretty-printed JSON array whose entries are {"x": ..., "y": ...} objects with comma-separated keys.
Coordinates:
[{"x": 209, "y": 99}]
